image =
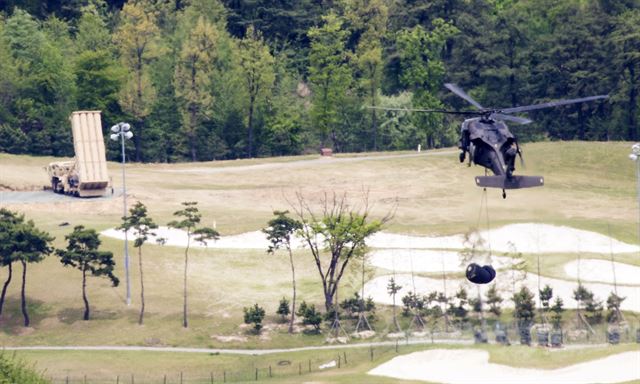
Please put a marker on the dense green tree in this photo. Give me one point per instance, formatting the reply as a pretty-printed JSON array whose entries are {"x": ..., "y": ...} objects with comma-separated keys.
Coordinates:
[
  {"x": 367, "y": 22},
  {"x": 136, "y": 37},
  {"x": 82, "y": 253},
  {"x": 626, "y": 40},
  {"x": 99, "y": 77},
  {"x": 44, "y": 85},
  {"x": 56, "y": 57},
  {"x": 256, "y": 64},
  {"x": 193, "y": 79},
  {"x": 279, "y": 233},
  {"x": 330, "y": 76},
  {"x": 189, "y": 220},
  {"x": 93, "y": 33},
  {"x": 142, "y": 226},
  {"x": 422, "y": 72},
  {"x": 98, "y": 81}
]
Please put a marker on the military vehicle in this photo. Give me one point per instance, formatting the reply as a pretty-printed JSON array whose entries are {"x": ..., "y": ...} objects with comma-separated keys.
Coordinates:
[{"x": 86, "y": 175}]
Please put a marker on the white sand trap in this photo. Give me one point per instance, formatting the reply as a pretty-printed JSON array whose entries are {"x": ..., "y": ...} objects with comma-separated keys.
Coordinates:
[
  {"x": 529, "y": 238},
  {"x": 526, "y": 237},
  {"x": 602, "y": 271},
  {"x": 469, "y": 366},
  {"x": 423, "y": 260},
  {"x": 377, "y": 289},
  {"x": 178, "y": 238}
]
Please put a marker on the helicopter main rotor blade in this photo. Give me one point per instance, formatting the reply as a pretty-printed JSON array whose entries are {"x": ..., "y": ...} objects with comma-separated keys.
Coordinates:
[
  {"x": 515, "y": 119},
  {"x": 427, "y": 110},
  {"x": 458, "y": 91},
  {"x": 551, "y": 104}
]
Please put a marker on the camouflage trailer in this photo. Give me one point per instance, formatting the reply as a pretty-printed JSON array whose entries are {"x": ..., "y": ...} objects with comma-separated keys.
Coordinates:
[{"x": 86, "y": 175}]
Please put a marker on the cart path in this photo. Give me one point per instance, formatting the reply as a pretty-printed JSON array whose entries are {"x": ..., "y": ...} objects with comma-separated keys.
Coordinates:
[
  {"x": 235, "y": 351},
  {"x": 304, "y": 163}
]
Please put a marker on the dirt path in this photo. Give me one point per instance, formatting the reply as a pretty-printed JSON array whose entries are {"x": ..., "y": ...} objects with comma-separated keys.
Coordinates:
[
  {"x": 235, "y": 351},
  {"x": 306, "y": 163}
]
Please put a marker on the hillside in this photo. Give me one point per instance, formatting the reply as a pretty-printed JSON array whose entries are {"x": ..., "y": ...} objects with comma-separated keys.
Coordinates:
[{"x": 588, "y": 185}]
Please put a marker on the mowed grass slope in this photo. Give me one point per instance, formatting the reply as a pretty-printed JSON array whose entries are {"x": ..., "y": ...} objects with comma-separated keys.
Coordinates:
[{"x": 588, "y": 185}]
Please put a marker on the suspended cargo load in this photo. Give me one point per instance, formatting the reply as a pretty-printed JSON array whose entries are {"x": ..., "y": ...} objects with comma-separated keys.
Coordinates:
[{"x": 86, "y": 175}]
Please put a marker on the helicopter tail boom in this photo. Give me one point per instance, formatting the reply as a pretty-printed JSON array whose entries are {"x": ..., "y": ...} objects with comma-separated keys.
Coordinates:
[{"x": 513, "y": 182}]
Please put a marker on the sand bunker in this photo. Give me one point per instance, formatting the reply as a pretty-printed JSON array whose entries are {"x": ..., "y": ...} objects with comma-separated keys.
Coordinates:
[
  {"x": 529, "y": 238},
  {"x": 178, "y": 238},
  {"x": 526, "y": 237},
  {"x": 603, "y": 271},
  {"x": 423, "y": 260},
  {"x": 377, "y": 288},
  {"x": 472, "y": 366}
]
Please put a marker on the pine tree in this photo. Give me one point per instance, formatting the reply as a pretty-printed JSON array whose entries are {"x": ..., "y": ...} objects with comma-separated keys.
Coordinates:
[
  {"x": 136, "y": 37},
  {"x": 192, "y": 79},
  {"x": 256, "y": 64},
  {"x": 82, "y": 253}
]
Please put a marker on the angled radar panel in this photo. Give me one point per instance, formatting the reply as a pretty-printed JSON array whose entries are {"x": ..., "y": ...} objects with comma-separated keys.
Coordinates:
[{"x": 88, "y": 143}]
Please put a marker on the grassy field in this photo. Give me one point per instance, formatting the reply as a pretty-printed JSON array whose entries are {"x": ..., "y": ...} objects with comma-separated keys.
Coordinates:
[
  {"x": 587, "y": 185},
  {"x": 103, "y": 367}
]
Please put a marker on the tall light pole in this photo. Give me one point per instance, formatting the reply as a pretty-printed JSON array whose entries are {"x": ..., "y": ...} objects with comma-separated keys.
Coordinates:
[
  {"x": 635, "y": 156},
  {"x": 122, "y": 131}
]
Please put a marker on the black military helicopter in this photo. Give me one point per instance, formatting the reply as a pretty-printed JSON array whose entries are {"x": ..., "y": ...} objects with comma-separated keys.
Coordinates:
[{"x": 489, "y": 143}]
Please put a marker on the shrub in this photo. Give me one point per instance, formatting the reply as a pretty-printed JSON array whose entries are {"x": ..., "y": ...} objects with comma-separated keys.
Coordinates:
[
  {"x": 254, "y": 315},
  {"x": 283, "y": 308}
]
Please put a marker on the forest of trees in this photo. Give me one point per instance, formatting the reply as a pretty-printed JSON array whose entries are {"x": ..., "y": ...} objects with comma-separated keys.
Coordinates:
[{"x": 219, "y": 79}]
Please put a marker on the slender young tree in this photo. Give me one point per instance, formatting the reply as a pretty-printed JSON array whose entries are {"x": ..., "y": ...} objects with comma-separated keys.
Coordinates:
[
  {"x": 82, "y": 253},
  {"x": 279, "y": 233},
  {"x": 335, "y": 237},
  {"x": 190, "y": 218},
  {"x": 31, "y": 246},
  {"x": 392, "y": 290},
  {"x": 142, "y": 226},
  {"x": 8, "y": 222}
]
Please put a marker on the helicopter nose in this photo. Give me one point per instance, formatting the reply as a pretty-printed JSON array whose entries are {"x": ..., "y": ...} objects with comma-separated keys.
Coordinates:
[{"x": 480, "y": 275}]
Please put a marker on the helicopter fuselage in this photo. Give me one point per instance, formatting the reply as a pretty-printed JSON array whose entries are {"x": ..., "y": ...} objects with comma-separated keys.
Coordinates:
[{"x": 489, "y": 144}]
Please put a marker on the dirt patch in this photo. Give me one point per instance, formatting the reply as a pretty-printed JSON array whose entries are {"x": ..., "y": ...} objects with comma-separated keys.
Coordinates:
[{"x": 229, "y": 339}]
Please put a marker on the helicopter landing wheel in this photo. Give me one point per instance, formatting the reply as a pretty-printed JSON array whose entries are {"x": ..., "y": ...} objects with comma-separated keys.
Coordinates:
[{"x": 504, "y": 194}]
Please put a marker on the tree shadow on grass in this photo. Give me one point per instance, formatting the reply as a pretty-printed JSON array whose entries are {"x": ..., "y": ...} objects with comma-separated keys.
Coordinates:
[
  {"x": 12, "y": 321},
  {"x": 71, "y": 315}
]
